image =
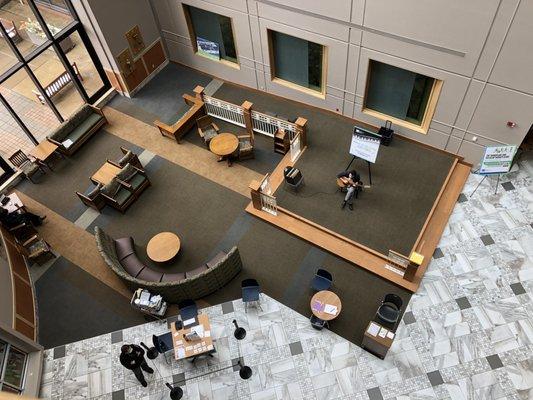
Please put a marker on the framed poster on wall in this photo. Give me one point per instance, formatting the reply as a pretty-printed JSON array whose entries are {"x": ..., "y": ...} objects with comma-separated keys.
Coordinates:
[{"x": 208, "y": 48}]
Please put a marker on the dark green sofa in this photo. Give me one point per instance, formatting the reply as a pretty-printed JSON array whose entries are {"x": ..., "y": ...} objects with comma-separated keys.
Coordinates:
[
  {"x": 120, "y": 256},
  {"x": 75, "y": 131}
]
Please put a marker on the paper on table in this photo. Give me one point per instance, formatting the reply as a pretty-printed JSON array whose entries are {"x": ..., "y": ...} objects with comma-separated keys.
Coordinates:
[
  {"x": 382, "y": 332},
  {"x": 330, "y": 309},
  {"x": 199, "y": 329},
  {"x": 189, "y": 321},
  {"x": 373, "y": 329},
  {"x": 181, "y": 352},
  {"x": 390, "y": 335},
  {"x": 207, "y": 333}
]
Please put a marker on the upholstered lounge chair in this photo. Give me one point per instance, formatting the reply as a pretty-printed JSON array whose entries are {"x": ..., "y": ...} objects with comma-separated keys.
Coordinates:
[
  {"x": 128, "y": 157},
  {"x": 92, "y": 197}
]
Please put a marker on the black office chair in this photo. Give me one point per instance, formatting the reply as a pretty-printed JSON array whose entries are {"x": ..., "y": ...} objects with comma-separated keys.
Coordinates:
[
  {"x": 322, "y": 280},
  {"x": 318, "y": 323},
  {"x": 188, "y": 309},
  {"x": 250, "y": 293},
  {"x": 389, "y": 311},
  {"x": 163, "y": 343}
]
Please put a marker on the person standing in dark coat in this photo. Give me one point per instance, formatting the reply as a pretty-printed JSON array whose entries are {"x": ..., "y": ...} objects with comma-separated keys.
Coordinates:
[{"x": 132, "y": 358}]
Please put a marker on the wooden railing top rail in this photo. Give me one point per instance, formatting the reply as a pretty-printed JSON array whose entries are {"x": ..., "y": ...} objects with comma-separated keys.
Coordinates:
[
  {"x": 290, "y": 126},
  {"x": 213, "y": 100},
  {"x": 432, "y": 211}
]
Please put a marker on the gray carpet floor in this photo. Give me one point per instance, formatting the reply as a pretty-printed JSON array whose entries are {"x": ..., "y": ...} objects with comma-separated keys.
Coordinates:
[
  {"x": 73, "y": 305},
  {"x": 208, "y": 218},
  {"x": 406, "y": 179}
]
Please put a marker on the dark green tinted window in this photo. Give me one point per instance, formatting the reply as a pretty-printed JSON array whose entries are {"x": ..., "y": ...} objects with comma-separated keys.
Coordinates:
[
  {"x": 297, "y": 60},
  {"x": 399, "y": 93}
]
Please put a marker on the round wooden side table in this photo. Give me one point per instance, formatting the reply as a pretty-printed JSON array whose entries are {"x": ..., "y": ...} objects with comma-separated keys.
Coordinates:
[
  {"x": 224, "y": 145},
  {"x": 163, "y": 247},
  {"x": 320, "y": 300}
]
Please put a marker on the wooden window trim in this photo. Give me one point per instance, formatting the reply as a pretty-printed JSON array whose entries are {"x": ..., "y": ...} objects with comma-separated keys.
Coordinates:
[
  {"x": 194, "y": 45},
  {"x": 428, "y": 112},
  {"x": 321, "y": 94}
]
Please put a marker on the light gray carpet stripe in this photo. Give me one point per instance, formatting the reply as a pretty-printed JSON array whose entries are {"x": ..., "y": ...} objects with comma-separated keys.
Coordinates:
[
  {"x": 234, "y": 234},
  {"x": 87, "y": 218},
  {"x": 212, "y": 87},
  {"x": 145, "y": 157},
  {"x": 301, "y": 280}
]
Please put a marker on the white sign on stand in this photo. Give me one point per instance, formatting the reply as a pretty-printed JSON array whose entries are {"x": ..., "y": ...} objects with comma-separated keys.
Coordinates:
[
  {"x": 497, "y": 160},
  {"x": 365, "y": 147}
]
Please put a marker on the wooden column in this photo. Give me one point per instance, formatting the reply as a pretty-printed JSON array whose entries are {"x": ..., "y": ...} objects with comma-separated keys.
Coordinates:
[
  {"x": 415, "y": 260},
  {"x": 199, "y": 92},
  {"x": 301, "y": 128},
  {"x": 247, "y": 108},
  {"x": 255, "y": 192}
]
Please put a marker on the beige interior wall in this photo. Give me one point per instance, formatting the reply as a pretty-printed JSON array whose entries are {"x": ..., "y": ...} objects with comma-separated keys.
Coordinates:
[
  {"x": 115, "y": 18},
  {"x": 480, "y": 49}
]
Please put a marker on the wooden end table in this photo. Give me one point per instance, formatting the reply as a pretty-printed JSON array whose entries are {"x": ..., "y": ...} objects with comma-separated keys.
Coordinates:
[
  {"x": 224, "y": 145},
  {"x": 323, "y": 298},
  {"x": 44, "y": 151},
  {"x": 163, "y": 247},
  {"x": 105, "y": 174}
]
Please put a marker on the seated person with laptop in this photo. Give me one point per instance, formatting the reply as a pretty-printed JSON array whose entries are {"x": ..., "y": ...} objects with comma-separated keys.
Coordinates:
[{"x": 352, "y": 183}]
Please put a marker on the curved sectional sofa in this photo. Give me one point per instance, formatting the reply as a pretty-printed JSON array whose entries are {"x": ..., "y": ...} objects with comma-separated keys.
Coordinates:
[{"x": 120, "y": 256}]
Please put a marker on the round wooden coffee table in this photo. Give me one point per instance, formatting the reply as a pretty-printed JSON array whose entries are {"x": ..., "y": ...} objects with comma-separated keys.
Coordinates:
[
  {"x": 319, "y": 301},
  {"x": 163, "y": 247},
  {"x": 224, "y": 145}
]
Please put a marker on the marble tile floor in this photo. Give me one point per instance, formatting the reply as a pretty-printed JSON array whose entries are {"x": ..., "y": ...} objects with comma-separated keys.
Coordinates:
[{"x": 466, "y": 334}]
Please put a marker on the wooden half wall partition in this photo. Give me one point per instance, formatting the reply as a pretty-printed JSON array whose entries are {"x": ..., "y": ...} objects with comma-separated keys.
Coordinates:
[
  {"x": 184, "y": 124},
  {"x": 405, "y": 271},
  {"x": 23, "y": 301}
]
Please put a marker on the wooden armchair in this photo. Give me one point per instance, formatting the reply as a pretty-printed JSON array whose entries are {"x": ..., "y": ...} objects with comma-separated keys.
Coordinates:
[
  {"x": 207, "y": 129},
  {"x": 133, "y": 178},
  {"x": 128, "y": 156},
  {"x": 246, "y": 147},
  {"x": 28, "y": 167},
  {"x": 123, "y": 190},
  {"x": 92, "y": 197},
  {"x": 36, "y": 250},
  {"x": 117, "y": 195}
]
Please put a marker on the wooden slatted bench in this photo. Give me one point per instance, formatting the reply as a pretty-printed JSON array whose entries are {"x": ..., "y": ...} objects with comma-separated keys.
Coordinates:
[
  {"x": 11, "y": 30},
  {"x": 58, "y": 84}
]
